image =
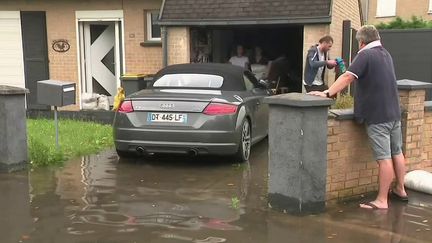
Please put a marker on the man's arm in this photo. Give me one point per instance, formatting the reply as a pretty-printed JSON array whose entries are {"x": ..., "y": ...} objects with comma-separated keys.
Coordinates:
[
  {"x": 315, "y": 64},
  {"x": 343, "y": 81}
]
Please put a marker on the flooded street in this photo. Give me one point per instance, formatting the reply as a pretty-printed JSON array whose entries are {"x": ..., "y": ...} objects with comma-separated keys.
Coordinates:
[{"x": 211, "y": 200}]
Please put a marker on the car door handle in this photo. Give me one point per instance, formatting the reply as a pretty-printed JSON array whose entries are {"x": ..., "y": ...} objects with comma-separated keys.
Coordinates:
[{"x": 258, "y": 103}]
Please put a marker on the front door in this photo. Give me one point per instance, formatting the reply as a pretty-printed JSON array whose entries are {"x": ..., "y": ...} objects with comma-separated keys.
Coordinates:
[{"x": 100, "y": 57}]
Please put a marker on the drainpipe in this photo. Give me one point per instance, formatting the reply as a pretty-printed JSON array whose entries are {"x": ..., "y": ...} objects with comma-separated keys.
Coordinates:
[{"x": 164, "y": 34}]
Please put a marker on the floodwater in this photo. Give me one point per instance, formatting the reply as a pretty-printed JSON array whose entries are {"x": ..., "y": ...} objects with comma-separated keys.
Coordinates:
[{"x": 162, "y": 200}]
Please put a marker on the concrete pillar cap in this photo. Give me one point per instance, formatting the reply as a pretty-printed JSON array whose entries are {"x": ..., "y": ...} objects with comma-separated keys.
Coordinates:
[
  {"x": 11, "y": 90},
  {"x": 407, "y": 84},
  {"x": 298, "y": 100}
]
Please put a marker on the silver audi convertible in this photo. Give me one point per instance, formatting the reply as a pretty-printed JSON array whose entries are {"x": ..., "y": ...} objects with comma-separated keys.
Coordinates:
[{"x": 194, "y": 109}]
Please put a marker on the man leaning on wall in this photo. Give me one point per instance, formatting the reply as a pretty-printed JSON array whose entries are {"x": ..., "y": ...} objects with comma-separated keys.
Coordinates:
[{"x": 377, "y": 106}]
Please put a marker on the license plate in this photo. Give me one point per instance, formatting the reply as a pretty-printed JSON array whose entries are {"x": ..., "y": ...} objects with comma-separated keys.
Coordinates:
[{"x": 167, "y": 117}]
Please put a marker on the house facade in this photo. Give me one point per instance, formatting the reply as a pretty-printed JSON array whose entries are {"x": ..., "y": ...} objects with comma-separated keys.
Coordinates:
[
  {"x": 377, "y": 11},
  {"x": 277, "y": 26},
  {"x": 90, "y": 42},
  {"x": 93, "y": 42}
]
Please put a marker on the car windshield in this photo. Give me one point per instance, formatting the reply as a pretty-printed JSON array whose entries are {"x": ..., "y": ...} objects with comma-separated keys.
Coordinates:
[{"x": 189, "y": 80}]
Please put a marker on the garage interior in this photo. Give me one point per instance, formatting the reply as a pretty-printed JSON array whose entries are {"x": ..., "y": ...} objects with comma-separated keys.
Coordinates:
[{"x": 218, "y": 44}]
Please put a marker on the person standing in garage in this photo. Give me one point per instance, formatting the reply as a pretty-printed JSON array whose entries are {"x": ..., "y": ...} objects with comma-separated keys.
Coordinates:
[{"x": 317, "y": 61}]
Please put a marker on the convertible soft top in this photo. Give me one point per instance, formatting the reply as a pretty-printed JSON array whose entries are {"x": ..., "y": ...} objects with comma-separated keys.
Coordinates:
[{"x": 232, "y": 75}]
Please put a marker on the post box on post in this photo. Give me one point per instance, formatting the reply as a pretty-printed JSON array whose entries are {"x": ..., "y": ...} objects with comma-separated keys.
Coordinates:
[{"x": 56, "y": 93}]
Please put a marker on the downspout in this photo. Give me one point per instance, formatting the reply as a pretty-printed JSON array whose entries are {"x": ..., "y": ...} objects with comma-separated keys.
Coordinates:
[{"x": 164, "y": 34}]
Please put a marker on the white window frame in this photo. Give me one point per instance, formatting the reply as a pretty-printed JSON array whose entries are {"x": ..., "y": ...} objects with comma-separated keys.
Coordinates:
[
  {"x": 430, "y": 7},
  {"x": 150, "y": 26},
  {"x": 383, "y": 7}
]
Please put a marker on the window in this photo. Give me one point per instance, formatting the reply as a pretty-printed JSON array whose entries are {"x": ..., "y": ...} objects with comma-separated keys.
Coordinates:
[
  {"x": 153, "y": 29},
  {"x": 189, "y": 80},
  {"x": 386, "y": 8},
  {"x": 430, "y": 6}
]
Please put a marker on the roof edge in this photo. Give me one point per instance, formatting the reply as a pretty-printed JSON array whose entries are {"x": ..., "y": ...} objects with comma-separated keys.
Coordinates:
[{"x": 258, "y": 21}]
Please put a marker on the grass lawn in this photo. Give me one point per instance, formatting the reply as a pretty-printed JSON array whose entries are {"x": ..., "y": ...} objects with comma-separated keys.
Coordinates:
[{"x": 76, "y": 138}]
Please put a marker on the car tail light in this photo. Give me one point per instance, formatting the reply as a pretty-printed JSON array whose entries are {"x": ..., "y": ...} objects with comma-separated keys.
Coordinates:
[
  {"x": 220, "y": 109},
  {"x": 126, "y": 107}
]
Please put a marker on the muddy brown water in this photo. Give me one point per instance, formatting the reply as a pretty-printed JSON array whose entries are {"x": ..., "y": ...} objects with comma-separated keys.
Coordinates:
[{"x": 162, "y": 200}]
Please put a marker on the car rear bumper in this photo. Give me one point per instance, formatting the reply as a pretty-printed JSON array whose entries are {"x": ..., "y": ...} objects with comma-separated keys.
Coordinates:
[{"x": 177, "y": 141}]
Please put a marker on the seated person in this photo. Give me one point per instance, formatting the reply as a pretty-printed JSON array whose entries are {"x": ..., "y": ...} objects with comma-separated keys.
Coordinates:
[
  {"x": 259, "y": 58},
  {"x": 240, "y": 59}
]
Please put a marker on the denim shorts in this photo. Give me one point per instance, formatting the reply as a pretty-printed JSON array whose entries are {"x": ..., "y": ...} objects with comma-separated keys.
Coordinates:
[{"x": 385, "y": 139}]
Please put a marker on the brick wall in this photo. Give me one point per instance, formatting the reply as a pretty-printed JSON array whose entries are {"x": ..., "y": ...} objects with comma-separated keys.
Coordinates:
[
  {"x": 427, "y": 140},
  {"x": 139, "y": 59},
  {"x": 351, "y": 168},
  {"x": 404, "y": 9},
  {"x": 178, "y": 45},
  {"x": 61, "y": 24}
]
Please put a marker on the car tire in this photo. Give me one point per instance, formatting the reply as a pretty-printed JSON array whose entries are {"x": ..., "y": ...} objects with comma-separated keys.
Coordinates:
[
  {"x": 125, "y": 154},
  {"x": 245, "y": 143}
]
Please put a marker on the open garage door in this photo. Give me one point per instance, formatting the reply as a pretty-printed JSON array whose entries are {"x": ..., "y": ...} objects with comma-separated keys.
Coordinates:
[{"x": 282, "y": 47}]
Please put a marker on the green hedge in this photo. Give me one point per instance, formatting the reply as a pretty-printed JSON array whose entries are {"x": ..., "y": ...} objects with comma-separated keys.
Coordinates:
[{"x": 413, "y": 23}]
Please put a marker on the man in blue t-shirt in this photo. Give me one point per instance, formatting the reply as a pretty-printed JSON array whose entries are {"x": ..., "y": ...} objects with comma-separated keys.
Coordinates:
[{"x": 377, "y": 105}]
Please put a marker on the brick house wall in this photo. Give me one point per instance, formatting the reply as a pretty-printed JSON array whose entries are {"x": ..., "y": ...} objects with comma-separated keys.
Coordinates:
[
  {"x": 342, "y": 10},
  {"x": 404, "y": 9},
  {"x": 178, "y": 45},
  {"x": 61, "y": 24}
]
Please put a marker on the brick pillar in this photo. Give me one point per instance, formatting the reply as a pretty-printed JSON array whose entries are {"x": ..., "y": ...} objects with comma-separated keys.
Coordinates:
[{"x": 412, "y": 98}]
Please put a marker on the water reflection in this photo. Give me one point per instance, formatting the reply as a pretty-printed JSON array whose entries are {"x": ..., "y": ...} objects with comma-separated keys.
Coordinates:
[
  {"x": 102, "y": 199},
  {"x": 173, "y": 195}
]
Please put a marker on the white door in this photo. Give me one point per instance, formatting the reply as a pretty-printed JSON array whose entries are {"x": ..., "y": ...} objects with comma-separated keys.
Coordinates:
[
  {"x": 101, "y": 52},
  {"x": 11, "y": 49}
]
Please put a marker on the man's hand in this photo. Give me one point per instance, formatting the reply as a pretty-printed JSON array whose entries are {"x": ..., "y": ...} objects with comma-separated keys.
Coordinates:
[
  {"x": 318, "y": 93},
  {"x": 331, "y": 63}
]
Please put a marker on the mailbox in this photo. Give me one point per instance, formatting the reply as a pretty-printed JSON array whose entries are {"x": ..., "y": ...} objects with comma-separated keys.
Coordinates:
[{"x": 56, "y": 93}]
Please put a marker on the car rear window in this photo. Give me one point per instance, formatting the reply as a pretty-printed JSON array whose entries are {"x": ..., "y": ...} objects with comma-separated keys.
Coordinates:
[{"x": 189, "y": 80}]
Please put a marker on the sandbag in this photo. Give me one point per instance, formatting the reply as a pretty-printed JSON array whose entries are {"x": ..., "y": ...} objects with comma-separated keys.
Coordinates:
[
  {"x": 103, "y": 103},
  {"x": 419, "y": 180},
  {"x": 89, "y": 101}
]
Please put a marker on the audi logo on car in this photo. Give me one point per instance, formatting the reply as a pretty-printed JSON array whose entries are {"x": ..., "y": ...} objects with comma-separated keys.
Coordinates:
[{"x": 167, "y": 106}]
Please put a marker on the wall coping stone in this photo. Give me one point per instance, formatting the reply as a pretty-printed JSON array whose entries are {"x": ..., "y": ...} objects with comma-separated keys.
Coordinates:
[
  {"x": 407, "y": 84},
  {"x": 342, "y": 114},
  {"x": 298, "y": 100},
  {"x": 11, "y": 90}
]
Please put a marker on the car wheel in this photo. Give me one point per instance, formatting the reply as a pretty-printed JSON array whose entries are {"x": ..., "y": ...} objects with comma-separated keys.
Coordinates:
[
  {"x": 125, "y": 154},
  {"x": 244, "y": 150}
]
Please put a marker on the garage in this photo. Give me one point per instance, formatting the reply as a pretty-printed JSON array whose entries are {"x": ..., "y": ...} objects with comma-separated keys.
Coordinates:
[
  {"x": 11, "y": 49},
  {"x": 267, "y": 47},
  {"x": 209, "y": 31}
]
